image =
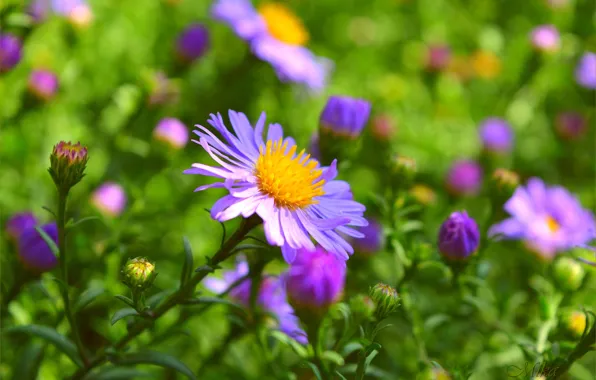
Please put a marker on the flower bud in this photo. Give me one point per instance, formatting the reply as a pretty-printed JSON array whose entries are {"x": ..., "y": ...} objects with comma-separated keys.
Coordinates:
[
  {"x": 585, "y": 72},
  {"x": 363, "y": 307},
  {"x": 172, "y": 132},
  {"x": 570, "y": 125},
  {"x": 504, "y": 182},
  {"x": 68, "y": 162},
  {"x": 34, "y": 252},
  {"x": 43, "y": 84},
  {"x": 546, "y": 38},
  {"x": 193, "y": 42},
  {"x": 575, "y": 322},
  {"x": 383, "y": 127},
  {"x": 110, "y": 199},
  {"x": 10, "y": 52},
  {"x": 486, "y": 65},
  {"x": 496, "y": 135},
  {"x": 464, "y": 178},
  {"x": 19, "y": 223},
  {"x": 569, "y": 274},
  {"x": 344, "y": 116},
  {"x": 386, "y": 300},
  {"x": 458, "y": 237},
  {"x": 438, "y": 57},
  {"x": 139, "y": 273},
  {"x": 404, "y": 169}
]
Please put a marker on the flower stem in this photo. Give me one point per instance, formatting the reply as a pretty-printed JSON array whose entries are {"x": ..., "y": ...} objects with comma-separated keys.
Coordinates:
[{"x": 585, "y": 345}]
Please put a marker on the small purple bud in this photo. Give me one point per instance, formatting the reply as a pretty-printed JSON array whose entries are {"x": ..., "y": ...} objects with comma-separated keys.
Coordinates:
[
  {"x": 345, "y": 116},
  {"x": 373, "y": 239},
  {"x": 43, "y": 84},
  {"x": 546, "y": 38},
  {"x": 438, "y": 57},
  {"x": 19, "y": 223},
  {"x": 496, "y": 135},
  {"x": 109, "y": 198},
  {"x": 10, "y": 51},
  {"x": 585, "y": 73},
  {"x": 464, "y": 178},
  {"x": 570, "y": 125},
  {"x": 193, "y": 42},
  {"x": 172, "y": 132},
  {"x": 458, "y": 237},
  {"x": 34, "y": 252}
]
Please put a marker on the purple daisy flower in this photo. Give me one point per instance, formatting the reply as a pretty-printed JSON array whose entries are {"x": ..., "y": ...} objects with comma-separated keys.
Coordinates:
[
  {"x": 316, "y": 279},
  {"x": 545, "y": 38},
  {"x": 345, "y": 116},
  {"x": 34, "y": 252},
  {"x": 548, "y": 219},
  {"x": 373, "y": 238},
  {"x": 496, "y": 135},
  {"x": 43, "y": 84},
  {"x": 295, "y": 196},
  {"x": 10, "y": 51},
  {"x": 459, "y": 236},
  {"x": 464, "y": 178},
  {"x": 109, "y": 198},
  {"x": 585, "y": 73},
  {"x": 171, "y": 131},
  {"x": 193, "y": 42},
  {"x": 241, "y": 16},
  {"x": 19, "y": 223}
]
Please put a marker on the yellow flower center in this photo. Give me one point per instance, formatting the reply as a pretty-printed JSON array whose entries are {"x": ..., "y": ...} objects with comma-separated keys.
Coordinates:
[
  {"x": 486, "y": 64},
  {"x": 552, "y": 224},
  {"x": 293, "y": 182},
  {"x": 578, "y": 322},
  {"x": 283, "y": 24}
]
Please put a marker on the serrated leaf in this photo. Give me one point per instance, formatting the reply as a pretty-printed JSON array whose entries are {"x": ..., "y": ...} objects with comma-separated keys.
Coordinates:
[
  {"x": 87, "y": 297},
  {"x": 155, "y": 358},
  {"x": 188, "y": 262},
  {"x": 29, "y": 361},
  {"x": 315, "y": 370},
  {"x": 117, "y": 373},
  {"x": 333, "y": 357},
  {"x": 283, "y": 338},
  {"x": 49, "y": 241},
  {"x": 72, "y": 224},
  {"x": 123, "y": 313},
  {"x": 52, "y": 336},
  {"x": 126, "y": 300}
]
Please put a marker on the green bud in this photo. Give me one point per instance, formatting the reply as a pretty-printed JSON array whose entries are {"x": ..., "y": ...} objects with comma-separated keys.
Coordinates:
[
  {"x": 504, "y": 182},
  {"x": 363, "y": 307},
  {"x": 404, "y": 169},
  {"x": 139, "y": 273},
  {"x": 575, "y": 323},
  {"x": 386, "y": 300},
  {"x": 67, "y": 164},
  {"x": 440, "y": 374},
  {"x": 569, "y": 274}
]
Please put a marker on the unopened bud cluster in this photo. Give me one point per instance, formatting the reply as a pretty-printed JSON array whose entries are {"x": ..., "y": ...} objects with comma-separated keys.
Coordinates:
[
  {"x": 139, "y": 273},
  {"x": 67, "y": 164},
  {"x": 386, "y": 300}
]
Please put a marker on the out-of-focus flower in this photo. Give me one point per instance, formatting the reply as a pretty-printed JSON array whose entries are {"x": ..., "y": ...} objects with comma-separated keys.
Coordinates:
[
  {"x": 496, "y": 135},
  {"x": 486, "y": 64},
  {"x": 81, "y": 15},
  {"x": 77, "y": 12},
  {"x": 10, "y": 51},
  {"x": 271, "y": 297},
  {"x": 404, "y": 168},
  {"x": 139, "y": 273},
  {"x": 461, "y": 67},
  {"x": 315, "y": 280},
  {"x": 163, "y": 90},
  {"x": 585, "y": 72},
  {"x": 386, "y": 300},
  {"x": 438, "y": 57},
  {"x": 548, "y": 219},
  {"x": 193, "y": 43},
  {"x": 43, "y": 84},
  {"x": 345, "y": 116},
  {"x": 313, "y": 147},
  {"x": 276, "y": 36},
  {"x": 109, "y": 198},
  {"x": 458, "y": 236},
  {"x": 67, "y": 164},
  {"x": 171, "y": 131},
  {"x": 423, "y": 194},
  {"x": 19, "y": 223},
  {"x": 34, "y": 252},
  {"x": 39, "y": 10},
  {"x": 296, "y": 197},
  {"x": 546, "y": 38},
  {"x": 504, "y": 182},
  {"x": 558, "y": 3},
  {"x": 440, "y": 374},
  {"x": 373, "y": 239},
  {"x": 570, "y": 125},
  {"x": 575, "y": 322},
  {"x": 383, "y": 127},
  {"x": 464, "y": 178},
  {"x": 569, "y": 273}
]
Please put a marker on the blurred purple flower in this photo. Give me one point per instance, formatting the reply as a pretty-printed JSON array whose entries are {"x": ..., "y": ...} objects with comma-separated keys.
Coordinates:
[
  {"x": 171, "y": 131},
  {"x": 43, "y": 84},
  {"x": 458, "y": 236},
  {"x": 545, "y": 38},
  {"x": 438, "y": 57},
  {"x": 373, "y": 239},
  {"x": 345, "y": 116},
  {"x": 316, "y": 279},
  {"x": 241, "y": 16},
  {"x": 585, "y": 73},
  {"x": 39, "y": 10},
  {"x": 496, "y": 135},
  {"x": 109, "y": 198},
  {"x": 464, "y": 178},
  {"x": 193, "y": 43},
  {"x": 570, "y": 125},
  {"x": 19, "y": 223},
  {"x": 10, "y": 51},
  {"x": 548, "y": 219},
  {"x": 313, "y": 147},
  {"x": 34, "y": 252}
]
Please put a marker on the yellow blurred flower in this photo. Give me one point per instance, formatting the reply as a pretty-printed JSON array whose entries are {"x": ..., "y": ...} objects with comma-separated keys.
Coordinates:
[{"x": 486, "y": 64}]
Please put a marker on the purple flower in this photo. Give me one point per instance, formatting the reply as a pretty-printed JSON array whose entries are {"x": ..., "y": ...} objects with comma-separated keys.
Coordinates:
[
  {"x": 39, "y": 10},
  {"x": 438, "y": 57},
  {"x": 241, "y": 16},
  {"x": 570, "y": 125},
  {"x": 345, "y": 116},
  {"x": 109, "y": 198},
  {"x": 458, "y": 237},
  {"x": 66, "y": 7},
  {"x": 315, "y": 279},
  {"x": 19, "y": 223},
  {"x": 545, "y": 38},
  {"x": 548, "y": 219},
  {"x": 585, "y": 73},
  {"x": 193, "y": 42},
  {"x": 43, "y": 84},
  {"x": 10, "y": 51},
  {"x": 496, "y": 135},
  {"x": 313, "y": 146},
  {"x": 34, "y": 252},
  {"x": 295, "y": 196},
  {"x": 373, "y": 238},
  {"x": 171, "y": 131},
  {"x": 464, "y": 178}
]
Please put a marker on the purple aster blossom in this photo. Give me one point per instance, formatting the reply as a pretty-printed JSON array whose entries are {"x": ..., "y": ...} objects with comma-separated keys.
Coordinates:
[
  {"x": 438, "y": 57},
  {"x": 10, "y": 51},
  {"x": 193, "y": 42},
  {"x": 66, "y": 7},
  {"x": 458, "y": 236},
  {"x": 34, "y": 252},
  {"x": 548, "y": 219},
  {"x": 19, "y": 223},
  {"x": 241, "y": 16},
  {"x": 464, "y": 178},
  {"x": 109, "y": 198},
  {"x": 570, "y": 125},
  {"x": 316, "y": 279},
  {"x": 585, "y": 72},
  {"x": 496, "y": 135},
  {"x": 345, "y": 116},
  {"x": 294, "y": 195},
  {"x": 171, "y": 131},
  {"x": 545, "y": 38},
  {"x": 43, "y": 84},
  {"x": 39, "y": 10},
  {"x": 373, "y": 239}
]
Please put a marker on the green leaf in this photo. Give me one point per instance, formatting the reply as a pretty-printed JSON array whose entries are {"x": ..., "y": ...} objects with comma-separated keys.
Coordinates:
[
  {"x": 156, "y": 299},
  {"x": 333, "y": 357},
  {"x": 350, "y": 348},
  {"x": 579, "y": 372},
  {"x": 212, "y": 300},
  {"x": 87, "y": 297},
  {"x": 205, "y": 268},
  {"x": 126, "y": 300},
  {"x": 53, "y": 337},
  {"x": 299, "y": 349},
  {"x": 188, "y": 262},
  {"x": 435, "y": 321},
  {"x": 49, "y": 241},
  {"x": 155, "y": 358},
  {"x": 123, "y": 313},
  {"x": 50, "y": 211},
  {"x": 72, "y": 224},
  {"x": 315, "y": 370},
  {"x": 117, "y": 373},
  {"x": 340, "y": 375},
  {"x": 27, "y": 366}
]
